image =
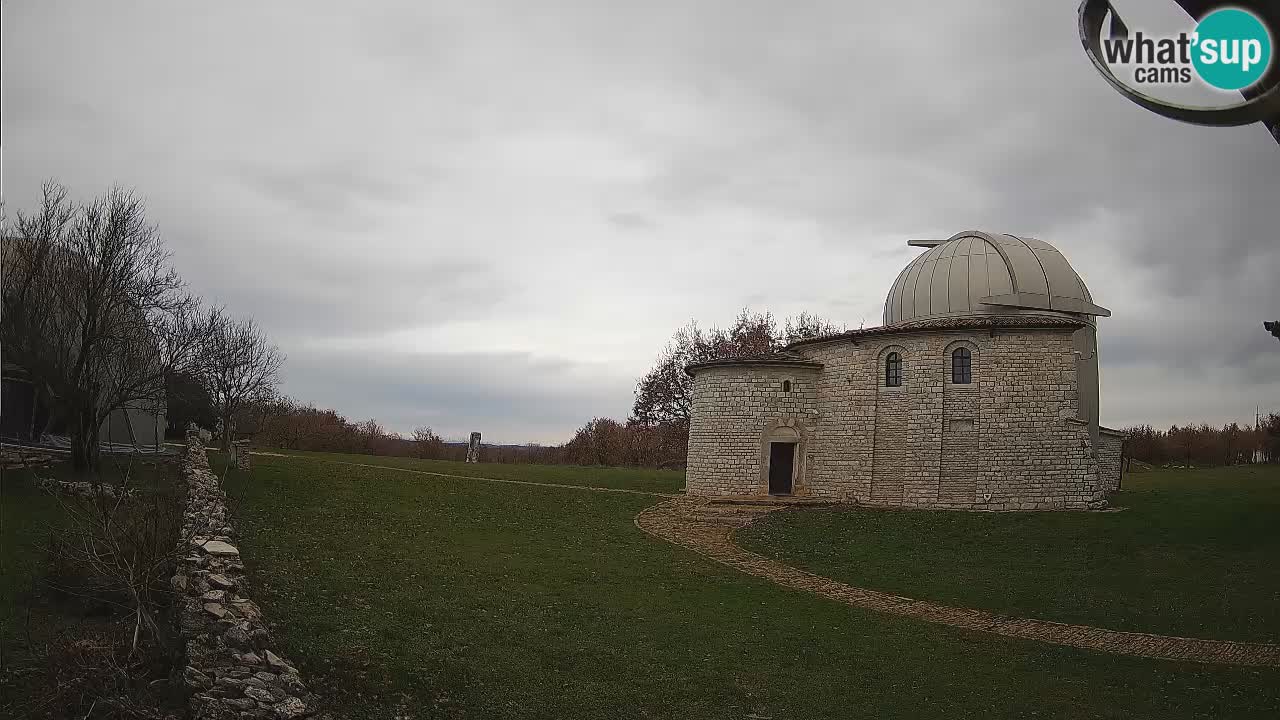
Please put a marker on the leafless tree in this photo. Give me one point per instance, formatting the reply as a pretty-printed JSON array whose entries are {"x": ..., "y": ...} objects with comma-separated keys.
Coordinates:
[
  {"x": 806, "y": 325},
  {"x": 239, "y": 366},
  {"x": 123, "y": 539},
  {"x": 664, "y": 395},
  {"x": 427, "y": 443},
  {"x": 92, "y": 309}
]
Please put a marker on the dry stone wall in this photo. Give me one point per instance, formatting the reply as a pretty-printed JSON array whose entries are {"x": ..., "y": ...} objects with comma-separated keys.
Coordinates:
[
  {"x": 1009, "y": 440},
  {"x": 231, "y": 670}
]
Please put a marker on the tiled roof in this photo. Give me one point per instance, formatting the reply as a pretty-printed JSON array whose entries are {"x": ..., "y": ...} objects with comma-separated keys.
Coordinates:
[
  {"x": 969, "y": 322},
  {"x": 779, "y": 358}
]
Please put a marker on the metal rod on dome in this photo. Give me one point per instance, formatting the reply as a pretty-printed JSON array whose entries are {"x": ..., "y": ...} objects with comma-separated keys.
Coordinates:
[{"x": 925, "y": 243}]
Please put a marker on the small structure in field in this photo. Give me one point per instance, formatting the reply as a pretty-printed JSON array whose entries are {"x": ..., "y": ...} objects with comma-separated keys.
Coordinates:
[
  {"x": 240, "y": 454},
  {"x": 473, "y": 448},
  {"x": 980, "y": 391}
]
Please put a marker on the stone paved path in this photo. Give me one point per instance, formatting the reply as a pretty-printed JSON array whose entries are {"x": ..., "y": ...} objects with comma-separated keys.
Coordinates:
[{"x": 687, "y": 522}]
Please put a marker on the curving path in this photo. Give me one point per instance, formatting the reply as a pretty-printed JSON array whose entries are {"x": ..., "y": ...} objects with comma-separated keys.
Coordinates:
[{"x": 708, "y": 531}]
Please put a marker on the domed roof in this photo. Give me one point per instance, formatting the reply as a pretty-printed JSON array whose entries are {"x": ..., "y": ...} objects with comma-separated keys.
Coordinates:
[{"x": 979, "y": 273}]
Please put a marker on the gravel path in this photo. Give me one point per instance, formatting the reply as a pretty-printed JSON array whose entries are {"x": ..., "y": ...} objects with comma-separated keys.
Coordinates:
[{"x": 689, "y": 522}]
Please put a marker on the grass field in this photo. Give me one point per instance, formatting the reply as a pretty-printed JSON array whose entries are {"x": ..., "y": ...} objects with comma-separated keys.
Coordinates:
[
  {"x": 431, "y": 596},
  {"x": 26, "y": 515},
  {"x": 56, "y": 623},
  {"x": 645, "y": 480},
  {"x": 1193, "y": 553}
]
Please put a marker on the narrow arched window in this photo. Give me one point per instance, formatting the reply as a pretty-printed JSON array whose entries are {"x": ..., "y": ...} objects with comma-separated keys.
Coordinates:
[
  {"x": 893, "y": 370},
  {"x": 786, "y": 386},
  {"x": 961, "y": 366}
]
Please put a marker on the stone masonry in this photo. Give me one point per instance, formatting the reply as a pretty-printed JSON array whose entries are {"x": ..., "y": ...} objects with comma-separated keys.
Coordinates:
[
  {"x": 1010, "y": 440},
  {"x": 231, "y": 670},
  {"x": 1110, "y": 457},
  {"x": 734, "y": 411},
  {"x": 240, "y": 455}
]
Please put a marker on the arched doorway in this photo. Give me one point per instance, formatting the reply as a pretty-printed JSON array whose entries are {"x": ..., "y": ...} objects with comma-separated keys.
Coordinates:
[{"x": 783, "y": 442}]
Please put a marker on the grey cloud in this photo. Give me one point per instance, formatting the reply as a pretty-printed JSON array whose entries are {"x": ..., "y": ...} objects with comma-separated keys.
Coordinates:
[
  {"x": 366, "y": 296},
  {"x": 343, "y": 190},
  {"x": 631, "y": 221},
  {"x": 518, "y": 183},
  {"x": 509, "y": 397}
]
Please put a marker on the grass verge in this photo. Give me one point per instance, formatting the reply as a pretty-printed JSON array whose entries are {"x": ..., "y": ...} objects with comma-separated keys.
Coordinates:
[{"x": 447, "y": 597}]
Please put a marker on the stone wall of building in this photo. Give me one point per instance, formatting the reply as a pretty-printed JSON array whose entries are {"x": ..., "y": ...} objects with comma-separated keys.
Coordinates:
[
  {"x": 1006, "y": 441},
  {"x": 735, "y": 409},
  {"x": 1111, "y": 458},
  {"x": 231, "y": 670}
]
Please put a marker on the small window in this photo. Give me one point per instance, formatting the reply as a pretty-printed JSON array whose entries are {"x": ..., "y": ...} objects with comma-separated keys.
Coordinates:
[
  {"x": 961, "y": 366},
  {"x": 786, "y": 386},
  {"x": 893, "y": 370}
]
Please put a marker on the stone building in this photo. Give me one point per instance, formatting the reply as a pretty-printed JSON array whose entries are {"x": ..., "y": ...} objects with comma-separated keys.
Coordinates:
[{"x": 979, "y": 391}]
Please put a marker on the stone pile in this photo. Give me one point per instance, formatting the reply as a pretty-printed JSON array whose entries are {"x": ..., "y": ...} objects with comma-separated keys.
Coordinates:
[
  {"x": 12, "y": 457},
  {"x": 81, "y": 488},
  {"x": 231, "y": 670}
]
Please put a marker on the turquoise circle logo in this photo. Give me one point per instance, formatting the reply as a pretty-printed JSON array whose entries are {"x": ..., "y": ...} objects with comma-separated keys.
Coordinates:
[{"x": 1232, "y": 49}]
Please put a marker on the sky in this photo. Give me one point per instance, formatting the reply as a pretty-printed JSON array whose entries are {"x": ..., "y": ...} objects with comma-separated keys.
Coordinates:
[{"x": 492, "y": 216}]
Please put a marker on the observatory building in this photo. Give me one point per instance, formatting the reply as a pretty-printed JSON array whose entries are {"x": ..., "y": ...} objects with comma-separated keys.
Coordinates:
[{"x": 979, "y": 392}]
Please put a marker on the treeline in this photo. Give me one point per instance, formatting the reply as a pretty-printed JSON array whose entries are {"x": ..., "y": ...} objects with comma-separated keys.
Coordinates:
[
  {"x": 1205, "y": 445},
  {"x": 604, "y": 441},
  {"x": 286, "y": 424},
  {"x": 291, "y": 425}
]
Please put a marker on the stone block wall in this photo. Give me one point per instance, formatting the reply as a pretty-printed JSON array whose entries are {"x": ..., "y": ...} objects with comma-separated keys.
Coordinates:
[
  {"x": 734, "y": 408},
  {"x": 231, "y": 669},
  {"x": 1110, "y": 458},
  {"x": 1007, "y": 441}
]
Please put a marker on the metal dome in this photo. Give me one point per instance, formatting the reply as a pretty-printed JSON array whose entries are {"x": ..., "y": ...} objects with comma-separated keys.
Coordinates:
[{"x": 979, "y": 273}]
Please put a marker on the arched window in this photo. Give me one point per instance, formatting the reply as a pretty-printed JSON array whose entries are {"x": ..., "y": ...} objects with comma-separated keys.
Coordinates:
[
  {"x": 786, "y": 386},
  {"x": 961, "y": 366},
  {"x": 893, "y": 370}
]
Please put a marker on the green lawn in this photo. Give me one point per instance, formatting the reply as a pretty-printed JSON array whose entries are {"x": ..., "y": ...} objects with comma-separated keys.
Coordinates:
[
  {"x": 53, "y": 626},
  {"x": 661, "y": 481},
  {"x": 26, "y": 516},
  {"x": 1193, "y": 553},
  {"x": 431, "y": 596}
]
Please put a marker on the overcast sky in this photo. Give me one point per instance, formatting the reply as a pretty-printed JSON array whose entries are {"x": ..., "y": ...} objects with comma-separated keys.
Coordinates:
[{"x": 484, "y": 216}]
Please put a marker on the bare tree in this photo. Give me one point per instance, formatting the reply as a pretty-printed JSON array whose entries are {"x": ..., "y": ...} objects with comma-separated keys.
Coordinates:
[
  {"x": 427, "y": 444},
  {"x": 93, "y": 311},
  {"x": 125, "y": 540},
  {"x": 806, "y": 326},
  {"x": 239, "y": 367},
  {"x": 664, "y": 395}
]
